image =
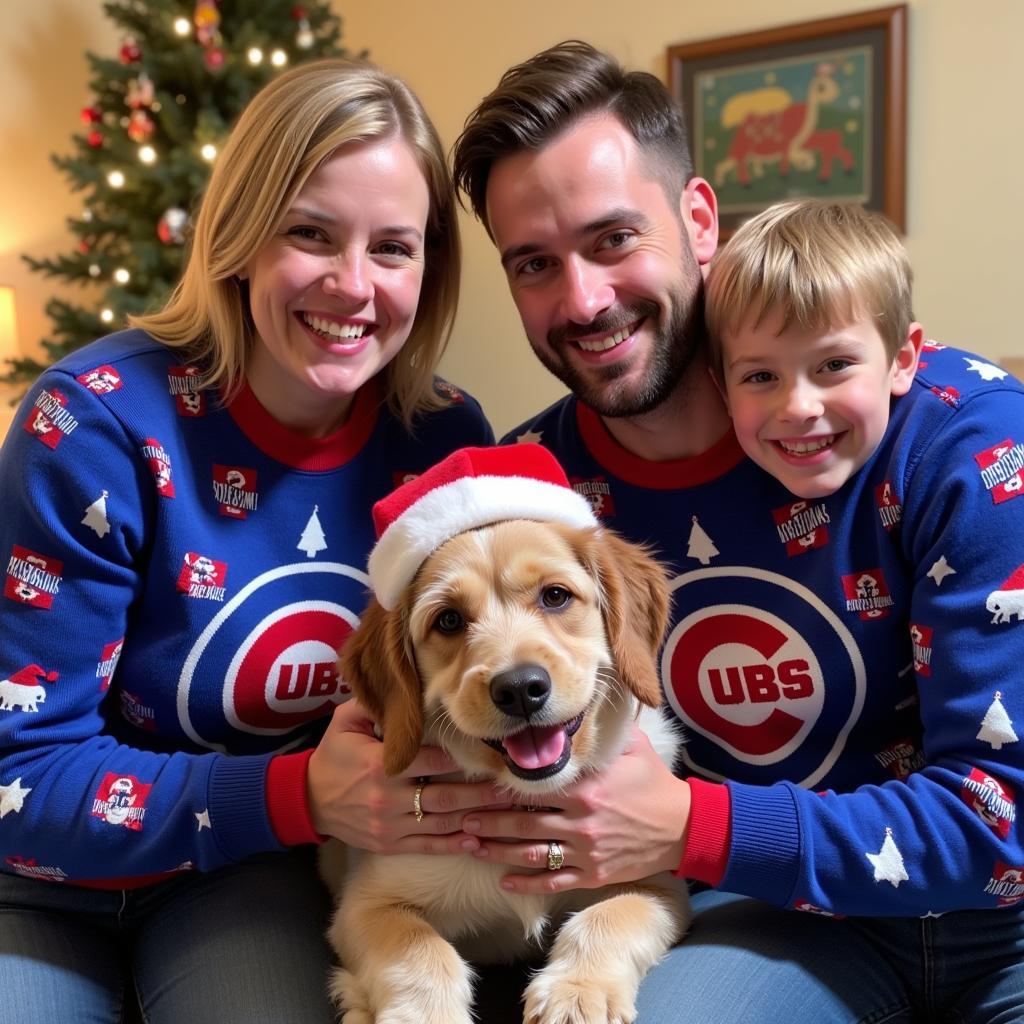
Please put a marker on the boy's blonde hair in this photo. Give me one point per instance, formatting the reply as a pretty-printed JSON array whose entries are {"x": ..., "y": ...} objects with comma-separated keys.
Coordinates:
[
  {"x": 817, "y": 262},
  {"x": 286, "y": 132}
]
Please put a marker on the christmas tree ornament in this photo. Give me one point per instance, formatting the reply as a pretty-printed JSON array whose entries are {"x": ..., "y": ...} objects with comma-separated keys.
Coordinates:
[
  {"x": 140, "y": 126},
  {"x": 131, "y": 52},
  {"x": 140, "y": 92},
  {"x": 206, "y": 18},
  {"x": 95, "y": 139},
  {"x": 304, "y": 38},
  {"x": 172, "y": 226},
  {"x": 214, "y": 59},
  {"x": 91, "y": 115}
]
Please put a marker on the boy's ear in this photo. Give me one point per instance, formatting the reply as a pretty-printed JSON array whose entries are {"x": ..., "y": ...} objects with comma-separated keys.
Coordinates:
[{"x": 904, "y": 365}]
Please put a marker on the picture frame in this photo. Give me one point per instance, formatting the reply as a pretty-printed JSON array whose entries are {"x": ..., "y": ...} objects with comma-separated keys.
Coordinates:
[{"x": 816, "y": 108}]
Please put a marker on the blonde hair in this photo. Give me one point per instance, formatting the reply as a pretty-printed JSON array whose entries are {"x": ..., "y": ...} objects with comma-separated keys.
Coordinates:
[
  {"x": 817, "y": 262},
  {"x": 286, "y": 132}
]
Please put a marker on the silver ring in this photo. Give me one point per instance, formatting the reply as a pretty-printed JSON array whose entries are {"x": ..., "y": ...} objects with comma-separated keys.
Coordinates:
[
  {"x": 417, "y": 798},
  {"x": 556, "y": 858}
]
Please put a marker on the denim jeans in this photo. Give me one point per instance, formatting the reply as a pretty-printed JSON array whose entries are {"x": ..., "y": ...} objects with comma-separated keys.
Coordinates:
[
  {"x": 241, "y": 945},
  {"x": 745, "y": 962}
]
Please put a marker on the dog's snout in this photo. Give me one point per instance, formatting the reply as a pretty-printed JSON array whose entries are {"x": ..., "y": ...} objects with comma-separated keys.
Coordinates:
[{"x": 521, "y": 691}]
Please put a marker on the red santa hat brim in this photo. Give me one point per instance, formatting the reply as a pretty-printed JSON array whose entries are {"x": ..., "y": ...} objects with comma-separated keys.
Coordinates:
[{"x": 473, "y": 487}]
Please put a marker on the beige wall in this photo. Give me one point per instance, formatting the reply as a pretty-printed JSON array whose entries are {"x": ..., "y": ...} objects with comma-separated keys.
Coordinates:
[{"x": 966, "y": 149}]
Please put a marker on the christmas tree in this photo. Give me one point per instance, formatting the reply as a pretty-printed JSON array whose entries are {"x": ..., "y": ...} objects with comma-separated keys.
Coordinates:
[{"x": 159, "y": 112}]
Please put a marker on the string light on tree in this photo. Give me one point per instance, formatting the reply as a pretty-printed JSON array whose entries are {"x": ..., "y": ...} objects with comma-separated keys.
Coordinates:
[
  {"x": 279, "y": 58},
  {"x": 208, "y": 152},
  {"x": 122, "y": 276},
  {"x": 182, "y": 26},
  {"x": 115, "y": 179},
  {"x": 107, "y": 315},
  {"x": 147, "y": 154},
  {"x": 255, "y": 55}
]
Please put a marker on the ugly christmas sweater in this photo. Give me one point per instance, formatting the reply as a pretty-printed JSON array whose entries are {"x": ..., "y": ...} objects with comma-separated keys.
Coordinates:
[
  {"x": 852, "y": 665},
  {"x": 179, "y": 576}
]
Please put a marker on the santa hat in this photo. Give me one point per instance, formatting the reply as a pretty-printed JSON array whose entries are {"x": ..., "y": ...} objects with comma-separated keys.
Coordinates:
[
  {"x": 31, "y": 674},
  {"x": 472, "y": 487}
]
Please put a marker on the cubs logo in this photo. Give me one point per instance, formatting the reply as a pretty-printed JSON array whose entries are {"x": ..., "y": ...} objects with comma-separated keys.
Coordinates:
[
  {"x": 121, "y": 800},
  {"x": 598, "y": 492},
  {"x": 802, "y": 526},
  {"x": 890, "y": 509},
  {"x": 49, "y": 420},
  {"x": 234, "y": 488},
  {"x": 266, "y": 665},
  {"x": 1001, "y": 470},
  {"x": 1006, "y": 883},
  {"x": 867, "y": 593},
  {"x": 32, "y": 579},
  {"x": 991, "y": 800},
  {"x": 749, "y": 686},
  {"x": 101, "y": 381}
]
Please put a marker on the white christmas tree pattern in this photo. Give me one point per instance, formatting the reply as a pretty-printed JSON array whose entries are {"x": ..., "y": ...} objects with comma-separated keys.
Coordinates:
[
  {"x": 996, "y": 727},
  {"x": 96, "y": 516},
  {"x": 12, "y": 797},
  {"x": 701, "y": 546},
  {"x": 312, "y": 539},
  {"x": 888, "y": 862}
]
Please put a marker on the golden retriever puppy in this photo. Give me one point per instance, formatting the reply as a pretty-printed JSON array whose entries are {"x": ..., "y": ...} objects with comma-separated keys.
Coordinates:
[{"x": 524, "y": 647}]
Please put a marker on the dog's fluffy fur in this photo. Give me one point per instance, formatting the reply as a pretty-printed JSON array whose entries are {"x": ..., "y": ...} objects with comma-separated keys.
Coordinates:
[{"x": 586, "y": 610}]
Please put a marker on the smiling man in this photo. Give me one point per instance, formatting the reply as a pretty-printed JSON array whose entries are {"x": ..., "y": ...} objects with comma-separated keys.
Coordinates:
[{"x": 851, "y": 768}]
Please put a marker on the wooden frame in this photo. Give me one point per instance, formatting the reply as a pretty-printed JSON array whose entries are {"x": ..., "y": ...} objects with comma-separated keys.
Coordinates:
[{"x": 812, "y": 109}]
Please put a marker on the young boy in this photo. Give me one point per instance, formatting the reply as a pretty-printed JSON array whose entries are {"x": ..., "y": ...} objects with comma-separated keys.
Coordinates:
[{"x": 812, "y": 336}]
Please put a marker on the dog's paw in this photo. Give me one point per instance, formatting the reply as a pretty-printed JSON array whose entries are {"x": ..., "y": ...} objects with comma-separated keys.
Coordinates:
[
  {"x": 349, "y": 997},
  {"x": 558, "y": 998}
]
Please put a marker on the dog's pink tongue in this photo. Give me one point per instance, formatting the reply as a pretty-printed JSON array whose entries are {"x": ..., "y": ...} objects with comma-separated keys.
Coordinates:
[{"x": 535, "y": 746}]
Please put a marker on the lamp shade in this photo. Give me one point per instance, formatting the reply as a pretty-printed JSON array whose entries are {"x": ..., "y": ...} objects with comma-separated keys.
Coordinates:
[{"x": 8, "y": 328}]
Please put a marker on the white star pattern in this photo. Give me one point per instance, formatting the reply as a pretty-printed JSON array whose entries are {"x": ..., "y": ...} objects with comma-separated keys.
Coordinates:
[
  {"x": 12, "y": 797},
  {"x": 529, "y": 437},
  {"x": 986, "y": 370},
  {"x": 940, "y": 570},
  {"x": 203, "y": 818}
]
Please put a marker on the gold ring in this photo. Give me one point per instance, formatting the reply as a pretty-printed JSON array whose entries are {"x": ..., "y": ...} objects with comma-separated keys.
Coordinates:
[
  {"x": 555, "y": 856},
  {"x": 417, "y": 806}
]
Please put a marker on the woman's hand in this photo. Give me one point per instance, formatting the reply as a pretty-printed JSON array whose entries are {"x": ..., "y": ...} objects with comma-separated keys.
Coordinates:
[
  {"x": 623, "y": 824},
  {"x": 352, "y": 799}
]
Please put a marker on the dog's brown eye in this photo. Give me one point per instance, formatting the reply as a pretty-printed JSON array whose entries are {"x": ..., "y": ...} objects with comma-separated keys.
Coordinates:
[
  {"x": 555, "y": 597},
  {"x": 449, "y": 621}
]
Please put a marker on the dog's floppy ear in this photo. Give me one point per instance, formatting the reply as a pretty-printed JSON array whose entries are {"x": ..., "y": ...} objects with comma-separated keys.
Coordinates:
[
  {"x": 376, "y": 662},
  {"x": 634, "y": 603}
]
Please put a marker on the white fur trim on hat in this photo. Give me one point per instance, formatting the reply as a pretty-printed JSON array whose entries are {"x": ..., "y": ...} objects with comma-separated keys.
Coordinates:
[{"x": 461, "y": 505}]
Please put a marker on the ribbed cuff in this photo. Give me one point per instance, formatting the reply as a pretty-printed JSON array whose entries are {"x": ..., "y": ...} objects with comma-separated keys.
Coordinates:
[
  {"x": 288, "y": 799},
  {"x": 707, "y": 835},
  {"x": 238, "y": 808},
  {"x": 764, "y": 842}
]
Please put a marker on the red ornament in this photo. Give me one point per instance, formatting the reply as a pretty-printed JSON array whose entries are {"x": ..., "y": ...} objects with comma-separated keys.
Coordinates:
[
  {"x": 131, "y": 52},
  {"x": 84, "y": 245},
  {"x": 214, "y": 59},
  {"x": 95, "y": 139},
  {"x": 91, "y": 115},
  {"x": 140, "y": 126},
  {"x": 299, "y": 13}
]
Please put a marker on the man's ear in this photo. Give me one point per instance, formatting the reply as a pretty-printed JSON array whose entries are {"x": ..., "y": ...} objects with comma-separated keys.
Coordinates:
[
  {"x": 904, "y": 364},
  {"x": 699, "y": 209}
]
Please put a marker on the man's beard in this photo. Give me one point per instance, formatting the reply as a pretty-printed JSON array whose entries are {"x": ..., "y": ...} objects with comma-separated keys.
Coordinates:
[{"x": 677, "y": 336}]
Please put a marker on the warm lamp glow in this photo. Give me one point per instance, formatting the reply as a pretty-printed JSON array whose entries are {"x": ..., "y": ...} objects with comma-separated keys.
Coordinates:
[{"x": 8, "y": 329}]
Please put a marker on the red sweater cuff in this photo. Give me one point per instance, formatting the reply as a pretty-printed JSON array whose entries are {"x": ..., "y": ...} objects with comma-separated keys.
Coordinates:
[
  {"x": 288, "y": 799},
  {"x": 707, "y": 837}
]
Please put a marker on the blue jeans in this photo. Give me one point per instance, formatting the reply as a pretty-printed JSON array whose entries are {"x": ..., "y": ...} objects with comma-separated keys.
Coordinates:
[
  {"x": 241, "y": 945},
  {"x": 745, "y": 962}
]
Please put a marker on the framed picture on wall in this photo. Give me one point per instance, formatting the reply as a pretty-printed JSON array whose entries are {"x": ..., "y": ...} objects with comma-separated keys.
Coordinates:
[{"x": 812, "y": 109}]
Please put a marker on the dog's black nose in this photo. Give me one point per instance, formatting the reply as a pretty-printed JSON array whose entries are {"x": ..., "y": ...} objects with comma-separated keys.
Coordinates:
[{"x": 521, "y": 690}]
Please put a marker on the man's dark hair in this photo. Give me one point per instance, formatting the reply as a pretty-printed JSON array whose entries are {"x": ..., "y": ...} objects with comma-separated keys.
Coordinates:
[{"x": 540, "y": 98}]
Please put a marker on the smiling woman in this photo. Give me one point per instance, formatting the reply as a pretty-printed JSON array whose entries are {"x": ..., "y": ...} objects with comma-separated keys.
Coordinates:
[{"x": 187, "y": 526}]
